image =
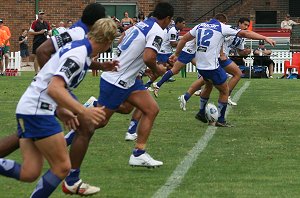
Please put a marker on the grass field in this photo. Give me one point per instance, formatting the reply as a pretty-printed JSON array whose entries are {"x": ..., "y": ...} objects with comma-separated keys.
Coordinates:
[{"x": 259, "y": 157}]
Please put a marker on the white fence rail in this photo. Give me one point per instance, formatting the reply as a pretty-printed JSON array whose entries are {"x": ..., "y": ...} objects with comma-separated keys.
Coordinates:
[{"x": 278, "y": 56}]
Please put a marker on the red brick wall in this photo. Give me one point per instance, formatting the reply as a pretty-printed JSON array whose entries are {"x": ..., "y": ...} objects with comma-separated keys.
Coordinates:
[{"x": 18, "y": 14}]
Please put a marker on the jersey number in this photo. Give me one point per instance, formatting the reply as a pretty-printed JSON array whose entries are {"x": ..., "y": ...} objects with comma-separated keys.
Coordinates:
[
  {"x": 203, "y": 37},
  {"x": 127, "y": 40}
]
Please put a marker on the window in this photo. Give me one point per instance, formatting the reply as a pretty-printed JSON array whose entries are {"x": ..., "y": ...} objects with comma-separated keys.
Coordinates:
[
  {"x": 119, "y": 9},
  {"x": 266, "y": 17}
]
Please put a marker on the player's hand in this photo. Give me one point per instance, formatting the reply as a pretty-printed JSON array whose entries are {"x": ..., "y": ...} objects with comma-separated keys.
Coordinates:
[
  {"x": 93, "y": 116},
  {"x": 68, "y": 118},
  {"x": 173, "y": 58},
  {"x": 110, "y": 65},
  {"x": 270, "y": 41},
  {"x": 42, "y": 31},
  {"x": 149, "y": 73}
]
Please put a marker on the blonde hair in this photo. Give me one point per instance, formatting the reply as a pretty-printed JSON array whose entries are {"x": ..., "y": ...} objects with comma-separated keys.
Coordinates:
[{"x": 103, "y": 31}]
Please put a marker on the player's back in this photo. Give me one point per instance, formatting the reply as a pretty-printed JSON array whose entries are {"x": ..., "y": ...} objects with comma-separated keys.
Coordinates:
[
  {"x": 209, "y": 39},
  {"x": 145, "y": 34}
]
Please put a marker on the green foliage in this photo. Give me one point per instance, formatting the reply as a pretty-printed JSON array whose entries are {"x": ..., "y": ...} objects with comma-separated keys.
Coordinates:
[{"x": 259, "y": 157}]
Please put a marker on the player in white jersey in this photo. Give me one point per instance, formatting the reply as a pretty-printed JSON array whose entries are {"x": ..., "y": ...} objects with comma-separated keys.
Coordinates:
[
  {"x": 38, "y": 128},
  {"x": 187, "y": 55},
  {"x": 140, "y": 46},
  {"x": 231, "y": 43},
  {"x": 209, "y": 39},
  {"x": 170, "y": 41}
]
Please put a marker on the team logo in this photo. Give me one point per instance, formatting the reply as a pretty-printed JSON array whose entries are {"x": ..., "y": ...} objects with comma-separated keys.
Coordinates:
[
  {"x": 173, "y": 36},
  {"x": 157, "y": 42},
  {"x": 69, "y": 68}
]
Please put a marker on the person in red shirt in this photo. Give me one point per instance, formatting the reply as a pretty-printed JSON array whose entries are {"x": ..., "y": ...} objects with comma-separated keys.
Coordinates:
[{"x": 40, "y": 29}]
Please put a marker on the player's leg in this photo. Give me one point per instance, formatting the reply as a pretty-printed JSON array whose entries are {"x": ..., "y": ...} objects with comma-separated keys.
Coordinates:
[
  {"x": 111, "y": 97},
  {"x": 219, "y": 80},
  {"x": 204, "y": 97},
  {"x": 58, "y": 160},
  {"x": 131, "y": 132},
  {"x": 142, "y": 100},
  {"x": 236, "y": 73},
  {"x": 9, "y": 144},
  {"x": 31, "y": 167},
  {"x": 195, "y": 86}
]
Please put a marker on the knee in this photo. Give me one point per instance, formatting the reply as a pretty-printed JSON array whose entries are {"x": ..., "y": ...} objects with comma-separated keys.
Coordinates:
[
  {"x": 64, "y": 169},
  {"x": 175, "y": 72},
  {"x": 29, "y": 175},
  {"x": 153, "y": 111}
]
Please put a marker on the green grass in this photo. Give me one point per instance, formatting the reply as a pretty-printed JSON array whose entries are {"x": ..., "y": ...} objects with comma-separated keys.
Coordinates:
[{"x": 259, "y": 157}]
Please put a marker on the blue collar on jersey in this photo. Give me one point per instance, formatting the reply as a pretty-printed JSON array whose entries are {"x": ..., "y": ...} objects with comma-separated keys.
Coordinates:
[
  {"x": 79, "y": 23},
  {"x": 213, "y": 24},
  {"x": 146, "y": 25},
  {"x": 75, "y": 44}
]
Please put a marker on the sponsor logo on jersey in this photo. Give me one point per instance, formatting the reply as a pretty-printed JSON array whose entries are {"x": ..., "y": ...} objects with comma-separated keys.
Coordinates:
[
  {"x": 157, "y": 42},
  {"x": 210, "y": 26},
  {"x": 46, "y": 106},
  {"x": 173, "y": 37},
  {"x": 69, "y": 68},
  {"x": 122, "y": 83}
]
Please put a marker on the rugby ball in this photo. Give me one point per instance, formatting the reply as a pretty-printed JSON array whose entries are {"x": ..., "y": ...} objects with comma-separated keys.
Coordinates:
[{"x": 211, "y": 112}]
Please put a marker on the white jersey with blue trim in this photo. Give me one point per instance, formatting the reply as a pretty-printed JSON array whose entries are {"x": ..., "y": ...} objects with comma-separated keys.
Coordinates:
[
  {"x": 145, "y": 34},
  {"x": 190, "y": 47},
  {"x": 76, "y": 32},
  {"x": 209, "y": 39},
  {"x": 170, "y": 34},
  {"x": 70, "y": 63},
  {"x": 232, "y": 43}
]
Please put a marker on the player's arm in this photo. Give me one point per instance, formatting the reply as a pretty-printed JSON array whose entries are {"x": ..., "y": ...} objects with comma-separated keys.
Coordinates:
[
  {"x": 44, "y": 52},
  {"x": 105, "y": 66},
  {"x": 187, "y": 37},
  {"x": 253, "y": 35}
]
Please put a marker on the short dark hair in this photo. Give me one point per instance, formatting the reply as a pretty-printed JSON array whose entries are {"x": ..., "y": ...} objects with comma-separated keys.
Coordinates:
[
  {"x": 243, "y": 19},
  {"x": 163, "y": 10},
  {"x": 179, "y": 20},
  {"x": 221, "y": 17},
  {"x": 92, "y": 13}
]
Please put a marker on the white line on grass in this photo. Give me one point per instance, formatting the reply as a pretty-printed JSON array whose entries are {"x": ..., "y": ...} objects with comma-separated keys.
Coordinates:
[{"x": 178, "y": 174}]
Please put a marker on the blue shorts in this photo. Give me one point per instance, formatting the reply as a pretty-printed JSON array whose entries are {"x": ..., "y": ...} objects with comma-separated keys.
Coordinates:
[
  {"x": 37, "y": 126},
  {"x": 217, "y": 76},
  {"x": 163, "y": 58},
  {"x": 225, "y": 63},
  {"x": 185, "y": 57},
  {"x": 112, "y": 96}
]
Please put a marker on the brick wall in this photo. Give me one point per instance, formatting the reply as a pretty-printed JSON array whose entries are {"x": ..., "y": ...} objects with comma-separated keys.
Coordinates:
[{"x": 18, "y": 14}]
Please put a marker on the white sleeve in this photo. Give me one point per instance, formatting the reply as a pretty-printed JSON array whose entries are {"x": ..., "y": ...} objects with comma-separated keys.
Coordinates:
[
  {"x": 193, "y": 31},
  {"x": 154, "y": 39},
  {"x": 227, "y": 30},
  {"x": 73, "y": 34},
  {"x": 172, "y": 34},
  {"x": 71, "y": 64}
]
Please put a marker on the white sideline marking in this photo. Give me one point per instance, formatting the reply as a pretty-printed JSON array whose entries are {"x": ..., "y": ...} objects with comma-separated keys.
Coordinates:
[{"x": 178, "y": 174}]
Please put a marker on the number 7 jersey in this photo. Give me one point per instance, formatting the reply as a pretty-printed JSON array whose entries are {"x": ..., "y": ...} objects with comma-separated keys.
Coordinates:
[{"x": 209, "y": 39}]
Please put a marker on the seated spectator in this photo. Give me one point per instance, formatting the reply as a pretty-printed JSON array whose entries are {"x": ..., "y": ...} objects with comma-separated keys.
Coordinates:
[
  {"x": 23, "y": 41},
  {"x": 264, "y": 57},
  {"x": 287, "y": 23}
]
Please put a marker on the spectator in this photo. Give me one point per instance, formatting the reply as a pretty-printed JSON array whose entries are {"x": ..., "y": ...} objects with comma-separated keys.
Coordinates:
[
  {"x": 141, "y": 17},
  {"x": 264, "y": 58},
  {"x": 40, "y": 29},
  {"x": 287, "y": 23},
  {"x": 60, "y": 29},
  {"x": 6, "y": 42},
  {"x": 135, "y": 20},
  {"x": 23, "y": 41},
  {"x": 126, "y": 22},
  {"x": 3, "y": 38},
  {"x": 69, "y": 24}
]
